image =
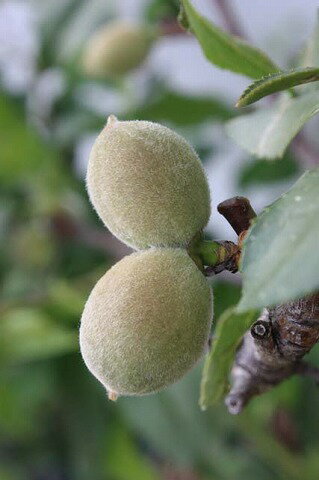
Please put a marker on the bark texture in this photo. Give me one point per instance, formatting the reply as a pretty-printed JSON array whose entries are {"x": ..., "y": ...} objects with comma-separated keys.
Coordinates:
[{"x": 272, "y": 350}]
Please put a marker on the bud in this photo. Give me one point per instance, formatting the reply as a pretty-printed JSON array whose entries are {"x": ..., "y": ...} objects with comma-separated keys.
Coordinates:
[
  {"x": 147, "y": 184},
  {"x": 146, "y": 322},
  {"x": 116, "y": 49}
]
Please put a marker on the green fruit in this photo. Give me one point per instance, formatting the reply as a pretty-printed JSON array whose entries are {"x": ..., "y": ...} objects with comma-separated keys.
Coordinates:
[
  {"x": 147, "y": 184},
  {"x": 146, "y": 322},
  {"x": 116, "y": 49}
]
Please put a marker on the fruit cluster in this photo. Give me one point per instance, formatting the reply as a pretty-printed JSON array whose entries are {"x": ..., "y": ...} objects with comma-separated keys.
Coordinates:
[{"x": 147, "y": 320}]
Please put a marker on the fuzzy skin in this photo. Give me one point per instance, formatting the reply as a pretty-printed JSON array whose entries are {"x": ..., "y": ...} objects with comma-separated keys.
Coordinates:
[
  {"x": 146, "y": 322},
  {"x": 116, "y": 49},
  {"x": 147, "y": 184}
]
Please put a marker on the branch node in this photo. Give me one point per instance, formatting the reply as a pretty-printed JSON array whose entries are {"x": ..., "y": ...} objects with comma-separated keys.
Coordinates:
[{"x": 260, "y": 329}]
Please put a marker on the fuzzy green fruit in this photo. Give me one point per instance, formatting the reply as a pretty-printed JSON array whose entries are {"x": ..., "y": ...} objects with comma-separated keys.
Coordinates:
[
  {"x": 116, "y": 49},
  {"x": 146, "y": 322},
  {"x": 147, "y": 184}
]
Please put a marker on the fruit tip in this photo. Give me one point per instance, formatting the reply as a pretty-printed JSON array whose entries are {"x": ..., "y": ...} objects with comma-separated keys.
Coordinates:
[
  {"x": 112, "y": 119},
  {"x": 112, "y": 396}
]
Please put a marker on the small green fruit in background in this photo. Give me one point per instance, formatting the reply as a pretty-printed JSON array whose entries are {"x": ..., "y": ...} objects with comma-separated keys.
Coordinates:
[
  {"x": 116, "y": 49},
  {"x": 147, "y": 184},
  {"x": 146, "y": 322}
]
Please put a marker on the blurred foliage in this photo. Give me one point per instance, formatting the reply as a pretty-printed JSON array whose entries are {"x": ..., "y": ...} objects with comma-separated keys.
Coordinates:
[
  {"x": 180, "y": 110},
  {"x": 267, "y": 133},
  {"x": 159, "y": 10},
  {"x": 55, "y": 420},
  {"x": 259, "y": 172}
]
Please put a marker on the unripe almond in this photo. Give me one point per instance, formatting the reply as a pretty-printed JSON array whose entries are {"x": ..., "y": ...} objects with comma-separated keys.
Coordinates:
[
  {"x": 147, "y": 184},
  {"x": 146, "y": 322},
  {"x": 116, "y": 49}
]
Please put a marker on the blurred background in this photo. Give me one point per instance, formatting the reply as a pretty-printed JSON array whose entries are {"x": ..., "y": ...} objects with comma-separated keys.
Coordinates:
[{"x": 55, "y": 420}]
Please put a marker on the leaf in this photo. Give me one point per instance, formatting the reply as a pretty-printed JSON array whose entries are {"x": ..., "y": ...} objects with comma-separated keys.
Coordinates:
[
  {"x": 227, "y": 51},
  {"x": 22, "y": 151},
  {"x": 136, "y": 465},
  {"x": 229, "y": 330},
  {"x": 267, "y": 133},
  {"x": 280, "y": 260},
  {"x": 261, "y": 172},
  {"x": 277, "y": 82},
  {"x": 18, "y": 418},
  {"x": 182, "y": 110},
  {"x": 225, "y": 296},
  {"x": 28, "y": 334},
  {"x": 160, "y": 10}
]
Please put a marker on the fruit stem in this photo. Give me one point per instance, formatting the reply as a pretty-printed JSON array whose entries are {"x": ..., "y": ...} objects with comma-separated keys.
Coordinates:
[{"x": 216, "y": 256}]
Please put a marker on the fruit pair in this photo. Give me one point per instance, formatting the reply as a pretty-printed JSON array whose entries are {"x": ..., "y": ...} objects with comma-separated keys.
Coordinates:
[{"x": 148, "y": 318}]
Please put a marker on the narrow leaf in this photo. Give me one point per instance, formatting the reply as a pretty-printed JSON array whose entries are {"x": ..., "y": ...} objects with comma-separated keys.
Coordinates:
[
  {"x": 229, "y": 330},
  {"x": 280, "y": 260},
  {"x": 267, "y": 133},
  {"x": 227, "y": 51},
  {"x": 277, "y": 82}
]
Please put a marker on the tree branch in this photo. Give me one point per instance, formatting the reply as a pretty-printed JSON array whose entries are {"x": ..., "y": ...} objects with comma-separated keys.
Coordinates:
[{"x": 271, "y": 351}]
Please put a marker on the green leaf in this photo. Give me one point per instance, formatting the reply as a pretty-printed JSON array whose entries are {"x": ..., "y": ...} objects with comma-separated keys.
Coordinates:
[
  {"x": 22, "y": 151},
  {"x": 267, "y": 133},
  {"x": 18, "y": 418},
  {"x": 262, "y": 172},
  {"x": 225, "y": 296},
  {"x": 136, "y": 466},
  {"x": 182, "y": 110},
  {"x": 28, "y": 334},
  {"x": 229, "y": 330},
  {"x": 277, "y": 82},
  {"x": 161, "y": 10},
  {"x": 227, "y": 51},
  {"x": 280, "y": 260}
]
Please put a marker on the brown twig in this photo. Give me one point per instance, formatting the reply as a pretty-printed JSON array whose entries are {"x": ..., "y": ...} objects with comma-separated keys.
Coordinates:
[{"x": 238, "y": 213}]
